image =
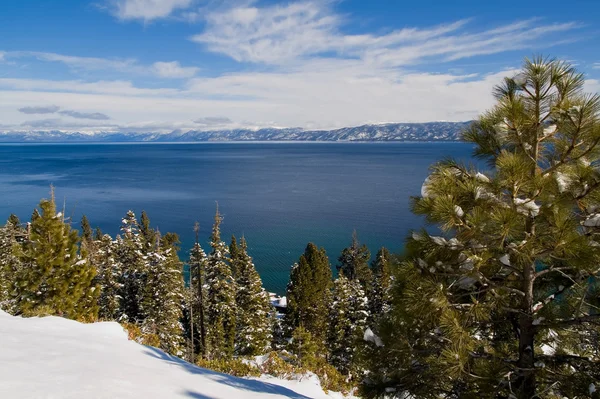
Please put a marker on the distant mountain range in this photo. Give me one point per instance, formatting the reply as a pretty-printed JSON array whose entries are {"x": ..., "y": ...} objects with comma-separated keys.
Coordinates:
[{"x": 430, "y": 131}]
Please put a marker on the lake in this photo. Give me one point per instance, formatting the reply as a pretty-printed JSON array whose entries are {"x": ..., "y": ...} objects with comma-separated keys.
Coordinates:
[{"x": 280, "y": 196}]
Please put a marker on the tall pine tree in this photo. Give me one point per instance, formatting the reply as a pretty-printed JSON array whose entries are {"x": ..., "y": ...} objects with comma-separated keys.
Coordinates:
[
  {"x": 309, "y": 293},
  {"x": 255, "y": 313},
  {"x": 163, "y": 298},
  {"x": 197, "y": 263},
  {"x": 380, "y": 295},
  {"x": 54, "y": 277},
  {"x": 109, "y": 277},
  {"x": 220, "y": 298},
  {"x": 11, "y": 235},
  {"x": 347, "y": 323},
  {"x": 502, "y": 304},
  {"x": 131, "y": 254},
  {"x": 354, "y": 263}
]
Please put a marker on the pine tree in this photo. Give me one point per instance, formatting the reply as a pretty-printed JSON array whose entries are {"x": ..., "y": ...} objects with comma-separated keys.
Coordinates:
[
  {"x": 54, "y": 277},
  {"x": 11, "y": 235},
  {"x": 163, "y": 297},
  {"x": 148, "y": 235},
  {"x": 234, "y": 256},
  {"x": 86, "y": 231},
  {"x": 501, "y": 305},
  {"x": 197, "y": 262},
  {"x": 308, "y": 293},
  {"x": 354, "y": 263},
  {"x": 347, "y": 323},
  {"x": 306, "y": 349},
  {"x": 380, "y": 297},
  {"x": 255, "y": 313},
  {"x": 131, "y": 255},
  {"x": 109, "y": 278},
  {"x": 220, "y": 298}
]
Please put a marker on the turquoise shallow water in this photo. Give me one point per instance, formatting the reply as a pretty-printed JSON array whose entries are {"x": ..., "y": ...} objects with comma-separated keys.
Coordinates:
[{"x": 279, "y": 195}]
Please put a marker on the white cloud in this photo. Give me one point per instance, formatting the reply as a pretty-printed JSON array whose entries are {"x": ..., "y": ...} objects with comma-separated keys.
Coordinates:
[
  {"x": 147, "y": 10},
  {"x": 596, "y": 65},
  {"x": 328, "y": 97},
  {"x": 283, "y": 34},
  {"x": 128, "y": 66},
  {"x": 173, "y": 70}
]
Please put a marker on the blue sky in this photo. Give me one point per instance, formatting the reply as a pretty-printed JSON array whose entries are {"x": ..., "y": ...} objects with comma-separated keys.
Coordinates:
[{"x": 160, "y": 65}]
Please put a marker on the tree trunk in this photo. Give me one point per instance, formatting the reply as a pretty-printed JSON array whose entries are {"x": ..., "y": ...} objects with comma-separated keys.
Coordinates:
[{"x": 526, "y": 382}]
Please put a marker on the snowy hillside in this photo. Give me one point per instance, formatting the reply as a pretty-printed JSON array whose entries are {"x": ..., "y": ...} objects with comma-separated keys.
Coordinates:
[{"x": 56, "y": 358}]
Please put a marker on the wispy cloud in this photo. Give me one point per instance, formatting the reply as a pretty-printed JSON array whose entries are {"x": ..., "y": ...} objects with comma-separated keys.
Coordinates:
[
  {"x": 283, "y": 34},
  {"x": 173, "y": 70},
  {"x": 130, "y": 66},
  {"x": 85, "y": 115},
  {"x": 213, "y": 121},
  {"x": 50, "y": 109},
  {"x": 146, "y": 10}
]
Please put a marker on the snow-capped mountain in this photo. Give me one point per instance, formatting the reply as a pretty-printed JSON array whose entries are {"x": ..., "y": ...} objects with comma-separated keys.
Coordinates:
[{"x": 430, "y": 131}]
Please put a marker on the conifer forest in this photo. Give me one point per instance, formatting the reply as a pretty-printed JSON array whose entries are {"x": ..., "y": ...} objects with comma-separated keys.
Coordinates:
[{"x": 498, "y": 296}]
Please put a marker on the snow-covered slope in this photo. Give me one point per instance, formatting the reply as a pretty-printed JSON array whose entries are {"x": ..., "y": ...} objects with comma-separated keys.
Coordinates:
[{"x": 55, "y": 358}]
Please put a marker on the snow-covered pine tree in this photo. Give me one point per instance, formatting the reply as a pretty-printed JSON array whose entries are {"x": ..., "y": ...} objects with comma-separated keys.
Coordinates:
[
  {"x": 197, "y": 263},
  {"x": 255, "y": 313},
  {"x": 380, "y": 297},
  {"x": 130, "y": 253},
  {"x": 347, "y": 323},
  {"x": 53, "y": 277},
  {"x": 148, "y": 234},
  {"x": 309, "y": 293},
  {"x": 502, "y": 305},
  {"x": 220, "y": 298},
  {"x": 354, "y": 263},
  {"x": 109, "y": 277},
  {"x": 10, "y": 265},
  {"x": 163, "y": 298},
  {"x": 234, "y": 257}
]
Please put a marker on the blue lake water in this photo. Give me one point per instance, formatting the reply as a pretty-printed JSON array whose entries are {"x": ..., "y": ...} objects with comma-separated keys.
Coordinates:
[{"x": 279, "y": 195}]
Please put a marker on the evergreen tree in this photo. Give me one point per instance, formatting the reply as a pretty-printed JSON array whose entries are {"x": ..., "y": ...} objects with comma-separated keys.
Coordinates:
[
  {"x": 148, "y": 235},
  {"x": 354, "y": 263},
  {"x": 109, "y": 278},
  {"x": 347, "y": 323},
  {"x": 306, "y": 349},
  {"x": 10, "y": 265},
  {"x": 220, "y": 298},
  {"x": 380, "y": 297},
  {"x": 501, "y": 305},
  {"x": 86, "y": 231},
  {"x": 163, "y": 297},
  {"x": 255, "y": 313},
  {"x": 308, "y": 293},
  {"x": 131, "y": 254},
  {"x": 53, "y": 276},
  {"x": 235, "y": 257},
  {"x": 197, "y": 262}
]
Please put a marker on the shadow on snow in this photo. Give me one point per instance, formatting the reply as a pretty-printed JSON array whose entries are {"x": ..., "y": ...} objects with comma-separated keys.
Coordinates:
[{"x": 226, "y": 379}]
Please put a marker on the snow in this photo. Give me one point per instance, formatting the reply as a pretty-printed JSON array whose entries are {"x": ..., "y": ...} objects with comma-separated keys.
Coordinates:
[
  {"x": 505, "y": 260},
  {"x": 370, "y": 336},
  {"x": 592, "y": 388},
  {"x": 592, "y": 221},
  {"x": 459, "y": 211},
  {"x": 527, "y": 207},
  {"x": 482, "y": 178},
  {"x": 52, "y": 357}
]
